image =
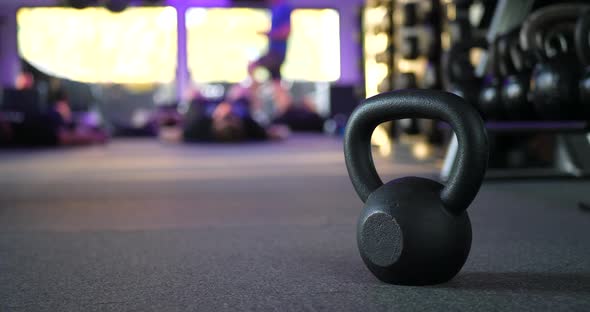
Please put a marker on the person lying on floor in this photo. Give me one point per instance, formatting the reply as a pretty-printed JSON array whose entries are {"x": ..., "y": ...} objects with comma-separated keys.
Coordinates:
[
  {"x": 297, "y": 116},
  {"x": 54, "y": 127},
  {"x": 227, "y": 121}
]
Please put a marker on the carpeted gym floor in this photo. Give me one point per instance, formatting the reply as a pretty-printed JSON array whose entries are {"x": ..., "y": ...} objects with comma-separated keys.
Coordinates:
[{"x": 140, "y": 225}]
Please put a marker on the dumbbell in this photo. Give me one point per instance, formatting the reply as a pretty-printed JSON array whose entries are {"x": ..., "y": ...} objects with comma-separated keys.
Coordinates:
[
  {"x": 458, "y": 24},
  {"x": 415, "y": 231},
  {"x": 384, "y": 85},
  {"x": 548, "y": 34},
  {"x": 459, "y": 76},
  {"x": 405, "y": 81},
  {"x": 415, "y": 42},
  {"x": 459, "y": 30},
  {"x": 414, "y": 12}
]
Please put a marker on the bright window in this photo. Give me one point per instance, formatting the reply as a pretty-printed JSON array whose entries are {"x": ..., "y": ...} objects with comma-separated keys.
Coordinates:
[
  {"x": 139, "y": 45},
  {"x": 94, "y": 45},
  {"x": 222, "y": 41}
]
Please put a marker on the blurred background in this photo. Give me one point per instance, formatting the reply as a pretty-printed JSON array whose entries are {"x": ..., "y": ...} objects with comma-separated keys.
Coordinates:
[{"x": 137, "y": 68}]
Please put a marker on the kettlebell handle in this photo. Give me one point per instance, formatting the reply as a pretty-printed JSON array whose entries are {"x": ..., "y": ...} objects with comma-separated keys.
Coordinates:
[
  {"x": 543, "y": 17},
  {"x": 472, "y": 157}
]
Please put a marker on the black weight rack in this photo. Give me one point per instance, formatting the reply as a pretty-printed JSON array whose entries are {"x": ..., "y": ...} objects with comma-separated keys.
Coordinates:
[{"x": 571, "y": 152}]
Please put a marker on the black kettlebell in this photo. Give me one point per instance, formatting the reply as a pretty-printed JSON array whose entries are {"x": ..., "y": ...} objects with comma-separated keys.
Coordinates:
[
  {"x": 515, "y": 86},
  {"x": 415, "y": 231},
  {"x": 548, "y": 33},
  {"x": 582, "y": 38},
  {"x": 489, "y": 102}
]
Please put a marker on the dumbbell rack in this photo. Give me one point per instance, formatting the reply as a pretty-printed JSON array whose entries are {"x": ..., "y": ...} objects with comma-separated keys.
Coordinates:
[
  {"x": 417, "y": 64},
  {"x": 572, "y": 143},
  {"x": 377, "y": 45}
]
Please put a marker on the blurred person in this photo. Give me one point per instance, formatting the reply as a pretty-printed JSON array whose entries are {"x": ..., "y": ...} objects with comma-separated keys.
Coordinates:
[
  {"x": 6, "y": 132},
  {"x": 55, "y": 127},
  {"x": 278, "y": 36},
  {"x": 297, "y": 116},
  {"x": 24, "y": 81},
  {"x": 228, "y": 120}
]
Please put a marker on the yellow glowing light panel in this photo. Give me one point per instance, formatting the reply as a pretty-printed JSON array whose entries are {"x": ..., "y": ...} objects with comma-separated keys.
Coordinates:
[
  {"x": 222, "y": 41},
  {"x": 97, "y": 46}
]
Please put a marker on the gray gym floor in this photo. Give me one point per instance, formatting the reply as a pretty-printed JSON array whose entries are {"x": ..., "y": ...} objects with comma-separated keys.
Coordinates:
[{"x": 144, "y": 226}]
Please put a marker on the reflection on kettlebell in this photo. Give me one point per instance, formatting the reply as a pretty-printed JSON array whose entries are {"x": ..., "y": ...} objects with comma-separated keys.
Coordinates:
[{"x": 415, "y": 231}]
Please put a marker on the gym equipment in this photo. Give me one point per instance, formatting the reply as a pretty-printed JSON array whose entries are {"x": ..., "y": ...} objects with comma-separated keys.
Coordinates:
[
  {"x": 457, "y": 23},
  {"x": 416, "y": 42},
  {"x": 516, "y": 83},
  {"x": 410, "y": 14},
  {"x": 430, "y": 80},
  {"x": 548, "y": 34},
  {"x": 384, "y": 86},
  {"x": 459, "y": 76},
  {"x": 489, "y": 102},
  {"x": 582, "y": 38},
  {"x": 415, "y": 231},
  {"x": 409, "y": 47},
  {"x": 414, "y": 13},
  {"x": 406, "y": 81}
]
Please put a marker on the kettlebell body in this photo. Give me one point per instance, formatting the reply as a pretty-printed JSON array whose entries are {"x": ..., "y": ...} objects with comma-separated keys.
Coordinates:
[
  {"x": 415, "y": 231},
  {"x": 490, "y": 101},
  {"x": 549, "y": 34},
  {"x": 515, "y": 86},
  {"x": 514, "y": 97},
  {"x": 553, "y": 90},
  {"x": 412, "y": 240}
]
